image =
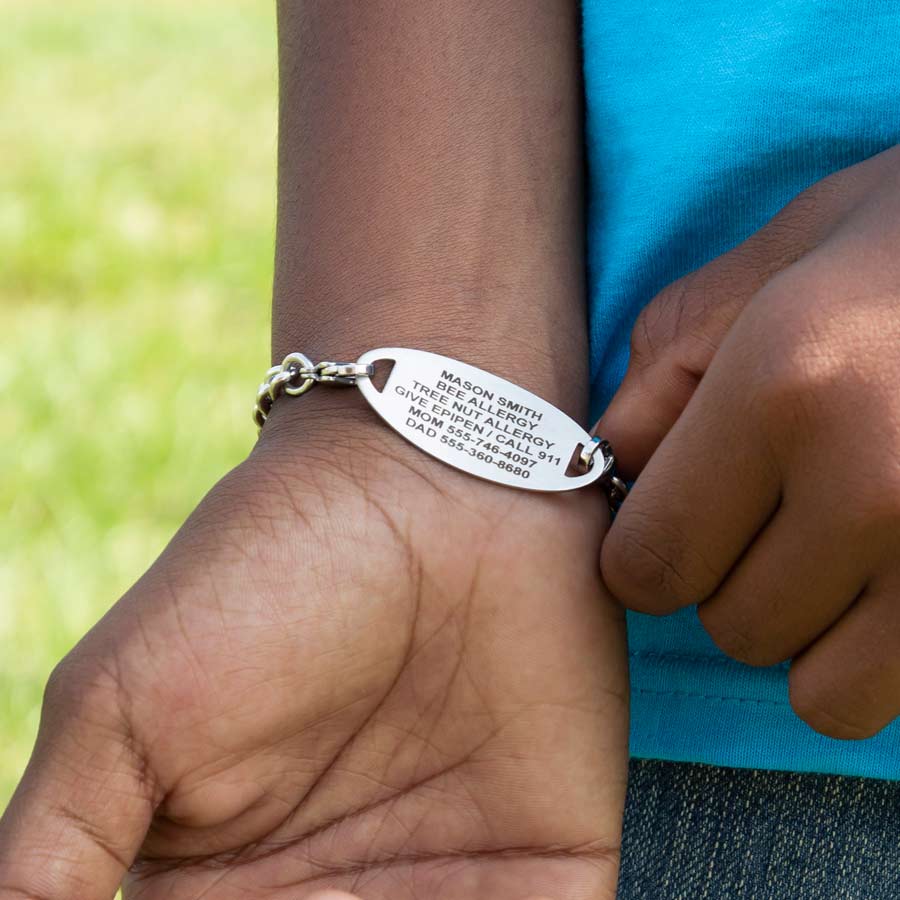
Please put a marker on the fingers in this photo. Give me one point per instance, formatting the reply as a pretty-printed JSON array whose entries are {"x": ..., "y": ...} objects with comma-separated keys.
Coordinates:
[
  {"x": 675, "y": 339},
  {"x": 672, "y": 345},
  {"x": 708, "y": 490},
  {"x": 847, "y": 685},
  {"x": 721, "y": 435},
  {"x": 797, "y": 579},
  {"x": 677, "y": 335},
  {"x": 84, "y": 805}
]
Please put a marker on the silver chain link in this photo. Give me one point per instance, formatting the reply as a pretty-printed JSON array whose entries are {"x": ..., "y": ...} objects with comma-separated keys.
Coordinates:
[
  {"x": 615, "y": 487},
  {"x": 296, "y": 375}
]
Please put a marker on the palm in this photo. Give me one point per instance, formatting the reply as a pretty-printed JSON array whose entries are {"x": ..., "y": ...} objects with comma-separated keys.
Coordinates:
[{"x": 379, "y": 683}]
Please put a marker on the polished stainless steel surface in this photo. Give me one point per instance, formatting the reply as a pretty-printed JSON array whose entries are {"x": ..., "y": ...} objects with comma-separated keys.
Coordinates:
[{"x": 480, "y": 423}]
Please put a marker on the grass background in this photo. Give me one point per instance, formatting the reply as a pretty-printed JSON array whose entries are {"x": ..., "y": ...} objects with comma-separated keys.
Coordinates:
[{"x": 137, "y": 187}]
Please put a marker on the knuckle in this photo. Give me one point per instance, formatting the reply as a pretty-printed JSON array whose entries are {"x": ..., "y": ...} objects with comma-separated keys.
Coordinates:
[
  {"x": 823, "y": 710},
  {"x": 741, "y": 642},
  {"x": 679, "y": 332},
  {"x": 641, "y": 572},
  {"x": 647, "y": 333},
  {"x": 779, "y": 391},
  {"x": 791, "y": 393},
  {"x": 661, "y": 322}
]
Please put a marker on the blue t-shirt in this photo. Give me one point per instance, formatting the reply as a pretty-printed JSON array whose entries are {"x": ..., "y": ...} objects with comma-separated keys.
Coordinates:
[{"x": 705, "y": 118}]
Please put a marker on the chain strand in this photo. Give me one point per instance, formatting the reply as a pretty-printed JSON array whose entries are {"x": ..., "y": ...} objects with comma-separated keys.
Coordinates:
[{"x": 296, "y": 375}]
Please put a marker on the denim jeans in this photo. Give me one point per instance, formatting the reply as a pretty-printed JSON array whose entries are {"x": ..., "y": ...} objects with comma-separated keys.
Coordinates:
[{"x": 706, "y": 833}]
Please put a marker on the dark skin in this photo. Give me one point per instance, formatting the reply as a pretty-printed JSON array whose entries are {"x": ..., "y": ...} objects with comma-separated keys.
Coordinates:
[
  {"x": 355, "y": 667},
  {"x": 774, "y": 372}
]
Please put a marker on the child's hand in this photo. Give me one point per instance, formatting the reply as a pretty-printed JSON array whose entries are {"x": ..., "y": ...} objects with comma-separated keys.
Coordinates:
[
  {"x": 763, "y": 397},
  {"x": 353, "y": 667}
]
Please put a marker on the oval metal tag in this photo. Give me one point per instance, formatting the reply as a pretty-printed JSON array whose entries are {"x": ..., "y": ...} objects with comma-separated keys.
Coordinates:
[{"x": 477, "y": 422}]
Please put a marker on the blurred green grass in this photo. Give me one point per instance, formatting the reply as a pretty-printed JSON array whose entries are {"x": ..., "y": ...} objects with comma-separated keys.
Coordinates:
[{"x": 137, "y": 179}]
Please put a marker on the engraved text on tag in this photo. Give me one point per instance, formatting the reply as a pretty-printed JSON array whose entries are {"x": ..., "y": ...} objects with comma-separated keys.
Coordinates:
[{"x": 477, "y": 422}]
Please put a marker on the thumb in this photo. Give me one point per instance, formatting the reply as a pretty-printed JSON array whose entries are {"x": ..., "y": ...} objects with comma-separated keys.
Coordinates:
[
  {"x": 79, "y": 816},
  {"x": 677, "y": 335}
]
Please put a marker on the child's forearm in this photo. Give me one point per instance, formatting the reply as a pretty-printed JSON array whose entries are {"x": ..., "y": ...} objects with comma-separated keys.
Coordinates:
[{"x": 430, "y": 175}]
